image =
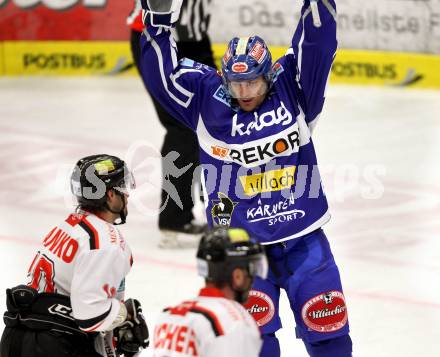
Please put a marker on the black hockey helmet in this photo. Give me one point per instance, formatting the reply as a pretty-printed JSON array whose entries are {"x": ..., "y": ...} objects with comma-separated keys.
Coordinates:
[
  {"x": 94, "y": 175},
  {"x": 221, "y": 250}
]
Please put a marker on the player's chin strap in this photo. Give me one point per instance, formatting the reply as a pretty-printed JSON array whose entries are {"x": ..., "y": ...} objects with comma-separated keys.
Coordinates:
[
  {"x": 121, "y": 213},
  {"x": 241, "y": 296}
]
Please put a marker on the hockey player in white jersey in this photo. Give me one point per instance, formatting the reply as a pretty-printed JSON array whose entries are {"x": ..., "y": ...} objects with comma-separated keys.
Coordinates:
[
  {"x": 215, "y": 324},
  {"x": 73, "y": 304}
]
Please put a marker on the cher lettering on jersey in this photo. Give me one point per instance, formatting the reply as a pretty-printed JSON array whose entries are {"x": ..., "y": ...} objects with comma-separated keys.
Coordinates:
[
  {"x": 171, "y": 337},
  {"x": 61, "y": 244},
  {"x": 274, "y": 180}
]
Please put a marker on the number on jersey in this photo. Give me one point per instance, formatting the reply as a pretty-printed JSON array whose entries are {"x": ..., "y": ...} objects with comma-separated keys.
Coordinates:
[{"x": 41, "y": 273}]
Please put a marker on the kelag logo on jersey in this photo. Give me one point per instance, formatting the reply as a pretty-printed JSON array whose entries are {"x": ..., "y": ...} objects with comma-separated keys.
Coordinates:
[
  {"x": 274, "y": 117},
  {"x": 269, "y": 181},
  {"x": 222, "y": 210},
  {"x": 274, "y": 213}
]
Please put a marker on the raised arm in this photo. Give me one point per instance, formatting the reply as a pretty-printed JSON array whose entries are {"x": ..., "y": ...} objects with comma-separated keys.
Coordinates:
[
  {"x": 175, "y": 84},
  {"x": 311, "y": 56}
]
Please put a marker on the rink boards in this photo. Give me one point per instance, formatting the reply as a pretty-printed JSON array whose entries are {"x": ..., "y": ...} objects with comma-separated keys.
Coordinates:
[{"x": 84, "y": 58}]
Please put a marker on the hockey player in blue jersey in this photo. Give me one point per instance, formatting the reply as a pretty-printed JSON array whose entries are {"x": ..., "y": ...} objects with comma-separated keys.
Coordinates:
[{"x": 254, "y": 122}]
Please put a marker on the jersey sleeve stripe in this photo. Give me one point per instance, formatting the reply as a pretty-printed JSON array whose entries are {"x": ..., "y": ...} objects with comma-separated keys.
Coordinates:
[
  {"x": 211, "y": 317},
  {"x": 91, "y": 231},
  {"x": 93, "y": 328},
  {"x": 186, "y": 96},
  {"x": 93, "y": 323}
]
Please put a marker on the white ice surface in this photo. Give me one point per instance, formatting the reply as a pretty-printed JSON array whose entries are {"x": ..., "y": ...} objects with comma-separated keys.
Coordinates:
[{"x": 379, "y": 153}]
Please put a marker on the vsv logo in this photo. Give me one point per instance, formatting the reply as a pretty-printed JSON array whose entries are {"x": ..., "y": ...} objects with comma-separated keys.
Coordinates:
[
  {"x": 274, "y": 117},
  {"x": 222, "y": 210}
]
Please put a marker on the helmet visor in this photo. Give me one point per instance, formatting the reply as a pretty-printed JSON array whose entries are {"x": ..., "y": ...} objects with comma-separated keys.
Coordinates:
[
  {"x": 258, "y": 266},
  {"x": 127, "y": 184},
  {"x": 247, "y": 89}
]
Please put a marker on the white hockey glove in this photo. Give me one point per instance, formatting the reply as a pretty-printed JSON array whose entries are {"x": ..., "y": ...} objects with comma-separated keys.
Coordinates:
[
  {"x": 161, "y": 13},
  {"x": 132, "y": 335}
]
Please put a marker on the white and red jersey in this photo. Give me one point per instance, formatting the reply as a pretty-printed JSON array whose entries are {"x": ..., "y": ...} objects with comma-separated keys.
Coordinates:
[
  {"x": 208, "y": 326},
  {"x": 87, "y": 259}
]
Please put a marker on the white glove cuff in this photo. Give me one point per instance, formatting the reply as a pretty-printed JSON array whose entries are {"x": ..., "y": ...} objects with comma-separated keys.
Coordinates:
[{"x": 120, "y": 318}]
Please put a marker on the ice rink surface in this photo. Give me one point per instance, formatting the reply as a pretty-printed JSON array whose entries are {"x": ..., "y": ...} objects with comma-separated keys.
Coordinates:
[{"x": 379, "y": 151}]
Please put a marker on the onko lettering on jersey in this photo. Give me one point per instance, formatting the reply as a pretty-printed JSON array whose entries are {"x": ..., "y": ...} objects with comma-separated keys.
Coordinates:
[
  {"x": 176, "y": 338},
  {"x": 61, "y": 244},
  {"x": 274, "y": 180}
]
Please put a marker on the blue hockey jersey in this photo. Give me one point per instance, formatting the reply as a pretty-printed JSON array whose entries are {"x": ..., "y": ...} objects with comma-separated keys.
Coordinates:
[{"x": 259, "y": 168}]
